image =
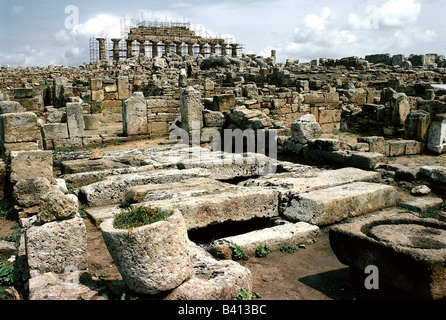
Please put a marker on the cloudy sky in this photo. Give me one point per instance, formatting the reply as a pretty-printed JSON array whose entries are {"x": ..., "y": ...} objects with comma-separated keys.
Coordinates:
[{"x": 44, "y": 32}]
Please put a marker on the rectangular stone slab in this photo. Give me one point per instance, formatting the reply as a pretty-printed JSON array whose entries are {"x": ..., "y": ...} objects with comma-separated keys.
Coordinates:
[
  {"x": 111, "y": 190},
  {"x": 234, "y": 203},
  {"x": 275, "y": 237},
  {"x": 312, "y": 179},
  {"x": 331, "y": 205}
]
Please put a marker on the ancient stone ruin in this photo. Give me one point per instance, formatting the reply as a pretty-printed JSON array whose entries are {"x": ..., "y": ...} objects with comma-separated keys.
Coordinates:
[{"x": 224, "y": 139}]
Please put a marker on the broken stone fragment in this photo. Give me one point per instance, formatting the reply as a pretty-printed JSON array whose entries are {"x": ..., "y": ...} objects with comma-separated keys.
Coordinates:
[
  {"x": 422, "y": 190},
  {"x": 305, "y": 128},
  {"x": 55, "y": 205}
]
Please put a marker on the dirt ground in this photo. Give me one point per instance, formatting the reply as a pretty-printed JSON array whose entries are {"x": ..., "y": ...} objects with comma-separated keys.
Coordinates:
[{"x": 311, "y": 273}]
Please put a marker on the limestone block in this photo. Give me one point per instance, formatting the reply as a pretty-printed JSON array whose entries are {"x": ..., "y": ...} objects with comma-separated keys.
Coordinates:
[
  {"x": 191, "y": 109},
  {"x": 19, "y": 127},
  {"x": 234, "y": 203},
  {"x": 57, "y": 245},
  {"x": 91, "y": 122},
  {"x": 28, "y": 192},
  {"x": 123, "y": 88},
  {"x": 305, "y": 128},
  {"x": 329, "y": 116},
  {"x": 97, "y": 95},
  {"x": 55, "y": 131},
  {"x": 212, "y": 279},
  {"x": 31, "y": 165},
  {"x": 75, "y": 120},
  {"x": 111, "y": 189},
  {"x": 332, "y": 205},
  {"x": 7, "y": 148},
  {"x": 213, "y": 118},
  {"x": 55, "y": 205},
  {"x": 436, "y": 141},
  {"x": 396, "y": 148},
  {"x": 417, "y": 125},
  {"x": 134, "y": 115},
  {"x": 11, "y": 107},
  {"x": 400, "y": 108},
  {"x": 376, "y": 144},
  {"x": 95, "y": 84},
  {"x": 51, "y": 286},
  {"x": 275, "y": 237},
  {"x": 223, "y": 102}
]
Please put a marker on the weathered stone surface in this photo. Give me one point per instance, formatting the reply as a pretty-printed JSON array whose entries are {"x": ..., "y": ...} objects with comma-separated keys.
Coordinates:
[
  {"x": 400, "y": 108},
  {"x": 293, "y": 184},
  {"x": 213, "y": 118},
  {"x": 304, "y": 129},
  {"x": 228, "y": 203},
  {"x": 408, "y": 251},
  {"x": 191, "y": 109},
  {"x": 75, "y": 120},
  {"x": 51, "y": 286},
  {"x": 422, "y": 204},
  {"x": 55, "y": 131},
  {"x": 57, "y": 245},
  {"x": 28, "y": 192},
  {"x": 134, "y": 115},
  {"x": 436, "y": 141},
  {"x": 275, "y": 237},
  {"x": 434, "y": 173},
  {"x": 417, "y": 125},
  {"x": 55, "y": 205},
  {"x": 223, "y": 102},
  {"x": 91, "y": 122},
  {"x": 153, "y": 258},
  {"x": 111, "y": 190},
  {"x": 31, "y": 165},
  {"x": 422, "y": 190},
  {"x": 11, "y": 107},
  {"x": 19, "y": 127},
  {"x": 87, "y": 165},
  {"x": 7, "y": 249},
  {"x": 331, "y": 205},
  {"x": 243, "y": 118},
  {"x": 212, "y": 279},
  {"x": 376, "y": 144},
  {"x": 357, "y": 159}
]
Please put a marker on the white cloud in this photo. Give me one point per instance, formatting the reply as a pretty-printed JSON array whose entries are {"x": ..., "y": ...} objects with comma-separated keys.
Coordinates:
[
  {"x": 101, "y": 25},
  {"x": 17, "y": 9},
  {"x": 315, "y": 22},
  {"x": 398, "y": 13}
]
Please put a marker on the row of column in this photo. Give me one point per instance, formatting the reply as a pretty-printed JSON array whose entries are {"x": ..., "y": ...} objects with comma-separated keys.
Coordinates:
[{"x": 178, "y": 45}]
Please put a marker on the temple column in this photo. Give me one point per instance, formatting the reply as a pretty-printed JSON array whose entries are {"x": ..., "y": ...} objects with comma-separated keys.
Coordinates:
[
  {"x": 116, "y": 48},
  {"x": 212, "y": 48},
  {"x": 234, "y": 50},
  {"x": 167, "y": 47},
  {"x": 223, "y": 48},
  {"x": 154, "y": 50},
  {"x": 142, "y": 47},
  {"x": 178, "y": 48},
  {"x": 102, "y": 53},
  {"x": 129, "y": 48},
  {"x": 201, "y": 46},
  {"x": 190, "y": 47}
]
